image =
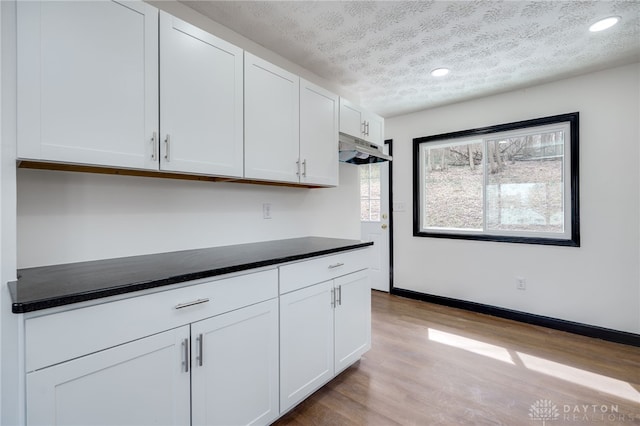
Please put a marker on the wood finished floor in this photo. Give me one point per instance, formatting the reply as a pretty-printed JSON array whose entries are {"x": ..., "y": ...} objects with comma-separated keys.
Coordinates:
[{"x": 434, "y": 365}]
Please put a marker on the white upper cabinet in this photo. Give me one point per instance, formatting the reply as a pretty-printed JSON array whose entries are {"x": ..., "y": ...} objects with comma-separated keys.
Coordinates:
[
  {"x": 374, "y": 128},
  {"x": 123, "y": 85},
  {"x": 201, "y": 97},
  {"x": 318, "y": 135},
  {"x": 362, "y": 124},
  {"x": 272, "y": 121},
  {"x": 88, "y": 82},
  {"x": 351, "y": 121}
]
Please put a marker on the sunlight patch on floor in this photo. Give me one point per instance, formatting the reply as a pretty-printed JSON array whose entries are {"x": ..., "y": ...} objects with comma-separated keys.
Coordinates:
[
  {"x": 597, "y": 382},
  {"x": 580, "y": 377},
  {"x": 471, "y": 345}
]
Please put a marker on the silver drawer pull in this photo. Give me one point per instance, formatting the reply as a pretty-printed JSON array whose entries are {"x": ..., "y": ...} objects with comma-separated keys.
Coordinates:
[
  {"x": 200, "y": 341},
  {"x": 154, "y": 146},
  {"x": 195, "y": 302},
  {"x": 336, "y": 265},
  {"x": 167, "y": 144},
  {"x": 185, "y": 361}
]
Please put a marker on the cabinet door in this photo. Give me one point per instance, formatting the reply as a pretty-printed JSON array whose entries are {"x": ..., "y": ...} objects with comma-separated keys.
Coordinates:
[
  {"x": 272, "y": 121},
  {"x": 350, "y": 119},
  {"x": 201, "y": 120},
  {"x": 318, "y": 135},
  {"x": 352, "y": 318},
  {"x": 88, "y": 82},
  {"x": 306, "y": 342},
  {"x": 139, "y": 383},
  {"x": 235, "y": 367},
  {"x": 375, "y": 129}
]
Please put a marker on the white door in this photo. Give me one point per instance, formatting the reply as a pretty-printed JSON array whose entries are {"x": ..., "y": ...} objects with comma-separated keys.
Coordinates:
[
  {"x": 374, "y": 215},
  {"x": 201, "y": 121},
  {"x": 352, "y": 316},
  {"x": 306, "y": 342},
  {"x": 144, "y": 382},
  {"x": 235, "y": 367},
  {"x": 271, "y": 121},
  {"x": 88, "y": 82},
  {"x": 318, "y": 135}
]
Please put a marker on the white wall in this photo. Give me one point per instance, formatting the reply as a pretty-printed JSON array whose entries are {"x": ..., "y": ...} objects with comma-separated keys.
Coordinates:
[
  {"x": 596, "y": 284},
  {"x": 68, "y": 217},
  {"x": 9, "y": 410}
]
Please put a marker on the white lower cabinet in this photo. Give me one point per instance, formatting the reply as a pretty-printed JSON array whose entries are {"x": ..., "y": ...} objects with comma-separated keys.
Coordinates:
[
  {"x": 138, "y": 383},
  {"x": 324, "y": 329},
  {"x": 217, "y": 365},
  {"x": 306, "y": 342},
  {"x": 231, "y": 351},
  {"x": 352, "y": 316},
  {"x": 235, "y": 367}
]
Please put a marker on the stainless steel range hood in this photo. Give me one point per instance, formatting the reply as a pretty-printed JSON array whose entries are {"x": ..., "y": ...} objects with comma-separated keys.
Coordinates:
[{"x": 357, "y": 151}]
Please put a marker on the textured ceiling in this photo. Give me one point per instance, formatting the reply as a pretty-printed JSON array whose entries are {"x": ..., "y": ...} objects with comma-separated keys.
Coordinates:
[{"x": 384, "y": 50}]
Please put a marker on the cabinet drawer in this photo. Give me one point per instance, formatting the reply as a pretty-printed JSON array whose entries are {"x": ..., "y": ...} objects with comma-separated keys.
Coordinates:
[
  {"x": 308, "y": 272},
  {"x": 51, "y": 339}
]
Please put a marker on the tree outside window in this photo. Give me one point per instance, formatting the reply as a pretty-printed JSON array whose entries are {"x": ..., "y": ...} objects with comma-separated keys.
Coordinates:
[{"x": 515, "y": 182}]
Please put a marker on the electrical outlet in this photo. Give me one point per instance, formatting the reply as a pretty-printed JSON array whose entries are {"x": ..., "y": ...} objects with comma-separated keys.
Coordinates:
[
  {"x": 266, "y": 211},
  {"x": 521, "y": 283}
]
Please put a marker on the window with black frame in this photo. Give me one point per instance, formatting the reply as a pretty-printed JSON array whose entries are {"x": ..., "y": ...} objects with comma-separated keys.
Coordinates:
[{"x": 515, "y": 182}]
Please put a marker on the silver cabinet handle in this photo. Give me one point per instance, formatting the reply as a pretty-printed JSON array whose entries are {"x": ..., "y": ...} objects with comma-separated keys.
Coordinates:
[
  {"x": 363, "y": 127},
  {"x": 185, "y": 360},
  {"x": 298, "y": 168},
  {"x": 366, "y": 126},
  {"x": 339, "y": 295},
  {"x": 200, "y": 341},
  {"x": 336, "y": 265},
  {"x": 304, "y": 168},
  {"x": 167, "y": 142},
  {"x": 333, "y": 297},
  {"x": 192, "y": 303},
  {"x": 154, "y": 146}
]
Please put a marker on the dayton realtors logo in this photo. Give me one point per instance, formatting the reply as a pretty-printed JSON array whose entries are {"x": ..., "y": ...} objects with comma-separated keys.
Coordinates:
[
  {"x": 544, "y": 410},
  {"x": 595, "y": 413}
]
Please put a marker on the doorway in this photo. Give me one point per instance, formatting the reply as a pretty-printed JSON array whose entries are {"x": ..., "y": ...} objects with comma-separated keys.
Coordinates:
[{"x": 375, "y": 219}]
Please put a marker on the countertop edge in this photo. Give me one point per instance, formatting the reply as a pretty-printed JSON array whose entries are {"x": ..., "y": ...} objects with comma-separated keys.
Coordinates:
[{"x": 36, "y": 305}]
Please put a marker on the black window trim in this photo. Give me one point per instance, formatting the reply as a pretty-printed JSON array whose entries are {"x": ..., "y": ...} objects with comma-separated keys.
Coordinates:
[{"x": 574, "y": 241}]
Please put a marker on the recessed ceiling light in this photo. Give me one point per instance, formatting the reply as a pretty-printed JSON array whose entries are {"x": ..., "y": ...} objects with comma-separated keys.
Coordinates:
[
  {"x": 603, "y": 24},
  {"x": 440, "y": 72}
]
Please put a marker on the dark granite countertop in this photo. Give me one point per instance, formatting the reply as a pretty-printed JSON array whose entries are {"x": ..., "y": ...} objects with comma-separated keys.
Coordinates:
[{"x": 57, "y": 285}]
